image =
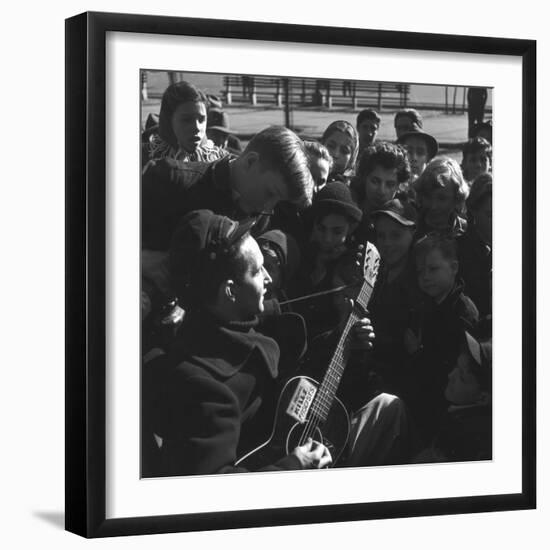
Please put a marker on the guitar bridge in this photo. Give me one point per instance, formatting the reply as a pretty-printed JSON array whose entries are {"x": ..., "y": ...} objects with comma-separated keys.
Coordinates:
[{"x": 301, "y": 400}]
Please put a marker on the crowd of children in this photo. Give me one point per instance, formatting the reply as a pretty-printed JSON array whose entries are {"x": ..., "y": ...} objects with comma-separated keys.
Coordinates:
[{"x": 429, "y": 217}]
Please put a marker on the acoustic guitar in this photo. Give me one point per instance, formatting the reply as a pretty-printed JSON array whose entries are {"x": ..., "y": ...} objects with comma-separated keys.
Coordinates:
[{"x": 307, "y": 408}]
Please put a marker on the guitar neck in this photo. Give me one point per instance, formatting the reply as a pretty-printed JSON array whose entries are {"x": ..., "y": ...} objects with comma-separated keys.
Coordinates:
[{"x": 331, "y": 381}]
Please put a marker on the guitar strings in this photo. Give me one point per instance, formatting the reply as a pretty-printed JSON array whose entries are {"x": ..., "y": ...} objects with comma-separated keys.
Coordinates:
[{"x": 313, "y": 422}]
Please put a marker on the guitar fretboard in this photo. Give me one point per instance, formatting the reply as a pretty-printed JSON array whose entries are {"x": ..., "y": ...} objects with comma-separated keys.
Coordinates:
[{"x": 326, "y": 393}]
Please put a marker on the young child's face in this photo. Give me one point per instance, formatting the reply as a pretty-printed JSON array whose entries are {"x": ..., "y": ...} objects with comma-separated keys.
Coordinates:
[
  {"x": 329, "y": 234},
  {"x": 463, "y": 387},
  {"x": 483, "y": 219},
  {"x": 436, "y": 274},
  {"x": 189, "y": 125},
  {"x": 418, "y": 154},
  {"x": 475, "y": 164},
  {"x": 393, "y": 240},
  {"x": 340, "y": 146},
  {"x": 381, "y": 186},
  {"x": 319, "y": 169},
  {"x": 367, "y": 132},
  {"x": 438, "y": 205}
]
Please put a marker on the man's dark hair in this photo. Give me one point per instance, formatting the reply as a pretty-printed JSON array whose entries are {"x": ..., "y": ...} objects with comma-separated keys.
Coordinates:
[
  {"x": 368, "y": 114},
  {"x": 387, "y": 155},
  {"x": 477, "y": 145}
]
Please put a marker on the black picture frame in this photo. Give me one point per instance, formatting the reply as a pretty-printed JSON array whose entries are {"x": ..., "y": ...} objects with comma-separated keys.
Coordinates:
[{"x": 86, "y": 270}]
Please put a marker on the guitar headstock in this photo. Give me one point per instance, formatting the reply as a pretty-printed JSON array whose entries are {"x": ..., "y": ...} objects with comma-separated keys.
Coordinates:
[{"x": 371, "y": 263}]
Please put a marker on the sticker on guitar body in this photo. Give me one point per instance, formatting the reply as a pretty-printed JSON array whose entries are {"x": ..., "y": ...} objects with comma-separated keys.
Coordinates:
[{"x": 301, "y": 400}]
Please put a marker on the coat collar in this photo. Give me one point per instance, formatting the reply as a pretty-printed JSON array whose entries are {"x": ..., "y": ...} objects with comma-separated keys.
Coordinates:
[{"x": 225, "y": 349}]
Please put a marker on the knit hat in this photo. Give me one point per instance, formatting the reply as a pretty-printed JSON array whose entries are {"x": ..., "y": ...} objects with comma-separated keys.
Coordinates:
[
  {"x": 201, "y": 239},
  {"x": 335, "y": 198},
  {"x": 431, "y": 142},
  {"x": 404, "y": 213},
  {"x": 286, "y": 248}
]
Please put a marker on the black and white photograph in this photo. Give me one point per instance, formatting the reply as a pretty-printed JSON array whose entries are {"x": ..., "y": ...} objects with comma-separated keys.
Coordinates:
[
  {"x": 316, "y": 273},
  {"x": 293, "y": 271}
]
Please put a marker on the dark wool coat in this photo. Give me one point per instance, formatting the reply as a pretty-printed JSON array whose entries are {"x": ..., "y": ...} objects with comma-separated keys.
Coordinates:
[
  {"x": 442, "y": 329},
  {"x": 213, "y": 398},
  {"x": 475, "y": 267},
  {"x": 393, "y": 307},
  {"x": 171, "y": 189}
]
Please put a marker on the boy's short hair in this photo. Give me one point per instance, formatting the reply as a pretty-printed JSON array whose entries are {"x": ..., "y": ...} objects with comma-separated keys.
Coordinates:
[
  {"x": 443, "y": 242},
  {"x": 282, "y": 151},
  {"x": 316, "y": 150},
  {"x": 477, "y": 145},
  {"x": 438, "y": 173},
  {"x": 368, "y": 114},
  {"x": 173, "y": 97},
  {"x": 387, "y": 155},
  {"x": 412, "y": 114}
]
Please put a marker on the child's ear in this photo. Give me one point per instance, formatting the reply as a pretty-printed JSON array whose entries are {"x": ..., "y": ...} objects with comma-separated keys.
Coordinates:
[
  {"x": 251, "y": 158},
  {"x": 454, "y": 266}
]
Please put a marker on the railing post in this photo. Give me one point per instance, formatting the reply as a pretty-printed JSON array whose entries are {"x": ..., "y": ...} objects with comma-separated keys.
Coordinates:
[
  {"x": 379, "y": 97},
  {"x": 329, "y": 96},
  {"x": 278, "y": 94},
  {"x": 144, "y": 94},
  {"x": 228, "y": 93}
]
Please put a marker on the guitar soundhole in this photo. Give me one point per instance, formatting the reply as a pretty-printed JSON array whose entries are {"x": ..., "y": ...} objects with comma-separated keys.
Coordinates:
[{"x": 297, "y": 436}]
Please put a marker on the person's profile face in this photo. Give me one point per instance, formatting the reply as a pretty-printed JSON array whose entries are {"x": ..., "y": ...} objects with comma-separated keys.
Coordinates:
[
  {"x": 475, "y": 164},
  {"x": 436, "y": 274},
  {"x": 393, "y": 240},
  {"x": 403, "y": 124},
  {"x": 319, "y": 169},
  {"x": 329, "y": 235},
  {"x": 367, "y": 132},
  {"x": 250, "y": 291},
  {"x": 189, "y": 125},
  {"x": 340, "y": 146},
  {"x": 417, "y": 152},
  {"x": 381, "y": 185}
]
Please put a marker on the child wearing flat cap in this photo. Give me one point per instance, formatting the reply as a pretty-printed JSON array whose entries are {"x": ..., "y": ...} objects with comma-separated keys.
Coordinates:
[
  {"x": 465, "y": 431},
  {"x": 396, "y": 292}
]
